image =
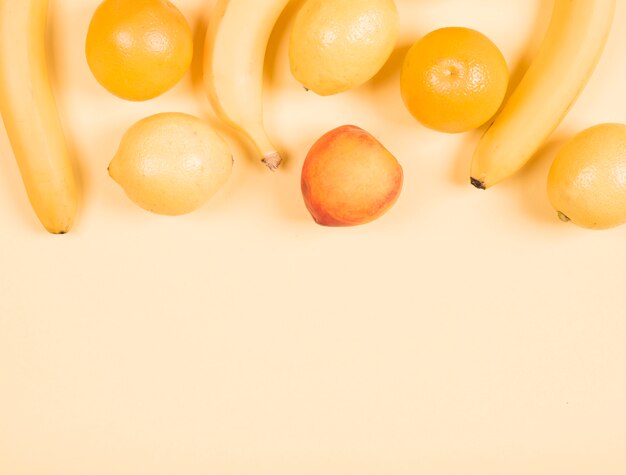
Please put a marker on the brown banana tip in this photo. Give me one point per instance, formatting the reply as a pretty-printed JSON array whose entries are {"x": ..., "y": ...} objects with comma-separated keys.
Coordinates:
[{"x": 477, "y": 183}]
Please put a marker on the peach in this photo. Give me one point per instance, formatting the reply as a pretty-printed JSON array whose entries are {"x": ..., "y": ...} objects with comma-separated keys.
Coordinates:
[{"x": 349, "y": 178}]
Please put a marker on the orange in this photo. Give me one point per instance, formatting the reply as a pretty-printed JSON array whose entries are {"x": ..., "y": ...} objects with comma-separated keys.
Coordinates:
[
  {"x": 587, "y": 180},
  {"x": 138, "y": 49},
  {"x": 454, "y": 79}
]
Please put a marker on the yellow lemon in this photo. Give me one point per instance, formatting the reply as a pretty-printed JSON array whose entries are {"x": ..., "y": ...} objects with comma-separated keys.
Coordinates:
[
  {"x": 454, "y": 79},
  {"x": 587, "y": 180},
  {"x": 335, "y": 46},
  {"x": 171, "y": 163},
  {"x": 138, "y": 49}
]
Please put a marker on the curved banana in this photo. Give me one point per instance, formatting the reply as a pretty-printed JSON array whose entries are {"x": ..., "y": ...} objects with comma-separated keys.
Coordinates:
[
  {"x": 30, "y": 115},
  {"x": 566, "y": 59},
  {"x": 234, "y": 54}
]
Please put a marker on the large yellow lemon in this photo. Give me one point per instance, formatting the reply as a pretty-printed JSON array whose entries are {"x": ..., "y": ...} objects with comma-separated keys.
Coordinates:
[
  {"x": 336, "y": 46},
  {"x": 587, "y": 180},
  {"x": 171, "y": 163}
]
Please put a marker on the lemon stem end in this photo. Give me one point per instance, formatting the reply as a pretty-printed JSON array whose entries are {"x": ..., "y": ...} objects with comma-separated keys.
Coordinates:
[{"x": 563, "y": 217}]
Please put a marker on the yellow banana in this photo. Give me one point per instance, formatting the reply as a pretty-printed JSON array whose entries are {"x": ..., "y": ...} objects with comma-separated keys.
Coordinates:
[
  {"x": 234, "y": 54},
  {"x": 30, "y": 114},
  {"x": 566, "y": 59}
]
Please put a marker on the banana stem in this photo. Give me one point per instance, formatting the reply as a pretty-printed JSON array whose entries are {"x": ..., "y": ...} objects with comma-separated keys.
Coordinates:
[{"x": 272, "y": 160}]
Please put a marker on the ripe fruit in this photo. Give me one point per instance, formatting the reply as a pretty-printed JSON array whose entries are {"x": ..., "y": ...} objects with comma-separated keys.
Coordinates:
[
  {"x": 587, "y": 180},
  {"x": 335, "y": 46},
  {"x": 233, "y": 60},
  {"x": 558, "y": 73},
  {"x": 138, "y": 49},
  {"x": 171, "y": 163},
  {"x": 349, "y": 178},
  {"x": 453, "y": 79},
  {"x": 31, "y": 117}
]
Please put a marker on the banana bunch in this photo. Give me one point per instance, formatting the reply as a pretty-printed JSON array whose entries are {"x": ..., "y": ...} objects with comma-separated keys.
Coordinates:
[
  {"x": 234, "y": 54},
  {"x": 566, "y": 59},
  {"x": 30, "y": 114}
]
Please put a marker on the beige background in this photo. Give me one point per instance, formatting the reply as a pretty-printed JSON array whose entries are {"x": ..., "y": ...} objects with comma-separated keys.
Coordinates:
[{"x": 464, "y": 332}]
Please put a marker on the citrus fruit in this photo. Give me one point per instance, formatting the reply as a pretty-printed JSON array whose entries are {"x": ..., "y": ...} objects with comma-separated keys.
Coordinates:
[
  {"x": 171, "y": 163},
  {"x": 335, "y": 46},
  {"x": 587, "y": 180},
  {"x": 453, "y": 79},
  {"x": 138, "y": 49}
]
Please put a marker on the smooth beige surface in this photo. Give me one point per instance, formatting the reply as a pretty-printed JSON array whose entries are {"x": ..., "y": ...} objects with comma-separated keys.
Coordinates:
[{"x": 464, "y": 332}]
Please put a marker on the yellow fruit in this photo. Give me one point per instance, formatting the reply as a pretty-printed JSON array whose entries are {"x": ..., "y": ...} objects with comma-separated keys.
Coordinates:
[
  {"x": 171, "y": 163},
  {"x": 335, "y": 46},
  {"x": 138, "y": 49},
  {"x": 587, "y": 180},
  {"x": 31, "y": 116},
  {"x": 454, "y": 79}
]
